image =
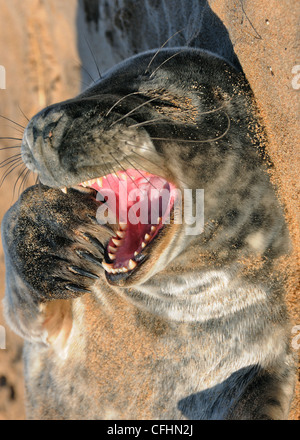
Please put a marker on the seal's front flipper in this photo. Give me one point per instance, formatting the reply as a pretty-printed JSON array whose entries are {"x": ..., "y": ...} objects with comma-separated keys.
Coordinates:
[
  {"x": 268, "y": 395},
  {"x": 53, "y": 251}
]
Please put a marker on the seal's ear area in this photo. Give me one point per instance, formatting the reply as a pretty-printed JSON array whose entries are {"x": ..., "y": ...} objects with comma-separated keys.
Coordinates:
[{"x": 58, "y": 325}]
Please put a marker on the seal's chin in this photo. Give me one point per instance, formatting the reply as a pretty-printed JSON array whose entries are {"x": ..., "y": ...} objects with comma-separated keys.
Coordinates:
[{"x": 139, "y": 206}]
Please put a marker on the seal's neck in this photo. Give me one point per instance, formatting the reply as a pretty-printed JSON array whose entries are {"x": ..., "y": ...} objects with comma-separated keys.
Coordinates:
[{"x": 195, "y": 297}]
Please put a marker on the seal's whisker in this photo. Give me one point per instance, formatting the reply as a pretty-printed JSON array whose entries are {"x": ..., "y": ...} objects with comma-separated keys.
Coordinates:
[
  {"x": 214, "y": 110},
  {"x": 10, "y": 138},
  {"x": 23, "y": 170},
  {"x": 12, "y": 163},
  {"x": 137, "y": 146},
  {"x": 15, "y": 157},
  {"x": 150, "y": 121},
  {"x": 17, "y": 129},
  {"x": 10, "y": 120},
  {"x": 165, "y": 61},
  {"x": 162, "y": 120},
  {"x": 161, "y": 47},
  {"x": 8, "y": 171},
  {"x": 121, "y": 99},
  {"x": 127, "y": 160},
  {"x": 124, "y": 170},
  {"x": 133, "y": 110},
  {"x": 157, "y": 166},
  {"x": 88, "y": 73},
  {"x": 114, "y": 171},
  {"x": 93, "y": 55},
  {"x": 197, "y": 141},
  {"x": 23, "y": 114},
  {"x": 8, "y": 148},
  {"x": 24, "y": 181},
  {"x": 107, "y": 168}
]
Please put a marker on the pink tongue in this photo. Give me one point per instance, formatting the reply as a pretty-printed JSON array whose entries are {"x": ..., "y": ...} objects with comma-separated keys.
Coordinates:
[
  {"x": 142, "y": 201},
  {"x": 130, "y": 188}
]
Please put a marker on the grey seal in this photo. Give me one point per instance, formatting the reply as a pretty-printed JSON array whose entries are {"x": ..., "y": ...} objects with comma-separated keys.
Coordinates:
[{"x": 145, "y": 321}]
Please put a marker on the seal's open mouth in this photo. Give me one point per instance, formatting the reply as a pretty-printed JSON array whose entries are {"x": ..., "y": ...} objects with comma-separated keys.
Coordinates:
[{"x": 139, "y": 204}]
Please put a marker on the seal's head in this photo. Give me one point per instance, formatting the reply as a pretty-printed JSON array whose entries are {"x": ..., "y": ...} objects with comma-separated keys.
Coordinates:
[{"x": 139, "y": 137}]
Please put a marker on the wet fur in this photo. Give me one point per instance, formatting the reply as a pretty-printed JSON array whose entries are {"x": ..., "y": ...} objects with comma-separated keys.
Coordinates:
[{"x": 202, "y": 330}]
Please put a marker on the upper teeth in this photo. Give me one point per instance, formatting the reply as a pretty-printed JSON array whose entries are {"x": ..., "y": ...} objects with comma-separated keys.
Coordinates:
[
  {"x": 98, "y": 180},
  {"x": 116, "y": 242},
  {"x": 121, "y": 234}
]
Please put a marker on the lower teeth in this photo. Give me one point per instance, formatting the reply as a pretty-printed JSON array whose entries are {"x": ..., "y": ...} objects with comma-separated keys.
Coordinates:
[
  {"x": 111, "y": 269},
  {"x": 117, "y": 243}
]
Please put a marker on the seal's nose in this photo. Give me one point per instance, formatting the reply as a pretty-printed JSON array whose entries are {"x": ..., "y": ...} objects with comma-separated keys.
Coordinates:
[
  {"x": 42, "y": 139},
  {"x": 50, "y": 133},
  {"x": 47, "y": 127}
]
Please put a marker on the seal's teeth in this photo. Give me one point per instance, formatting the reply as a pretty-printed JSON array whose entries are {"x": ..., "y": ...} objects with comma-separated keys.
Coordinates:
[
  {"x": 112, "y": 256},
  {"x": 112, "y": 249},
  {"x": 116, "y": 242},
  {"x": 99, "y": 182},
  {"x": 147, "y": 237},
  {"x": 159, "y": 219},
  {"x": 132, "y": 264},
  {"x": 107, "y": 267},
  {"x": 136, "y": 253},
  {"x": 123, "y": 226},
  {"x": 153, "y": 229},
  {"x": 83, "y": 184},
  {"x": 64, "y": 190},
  {"x": 124, "y": 269},
  {"x": 143, "y": 245},
  {"x": 121, "y": 234}
]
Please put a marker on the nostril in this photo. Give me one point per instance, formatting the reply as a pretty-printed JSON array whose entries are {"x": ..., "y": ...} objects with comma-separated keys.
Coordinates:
[
  {"x": 52, "y": 128},
  {"x": 48, "y": 133}
]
